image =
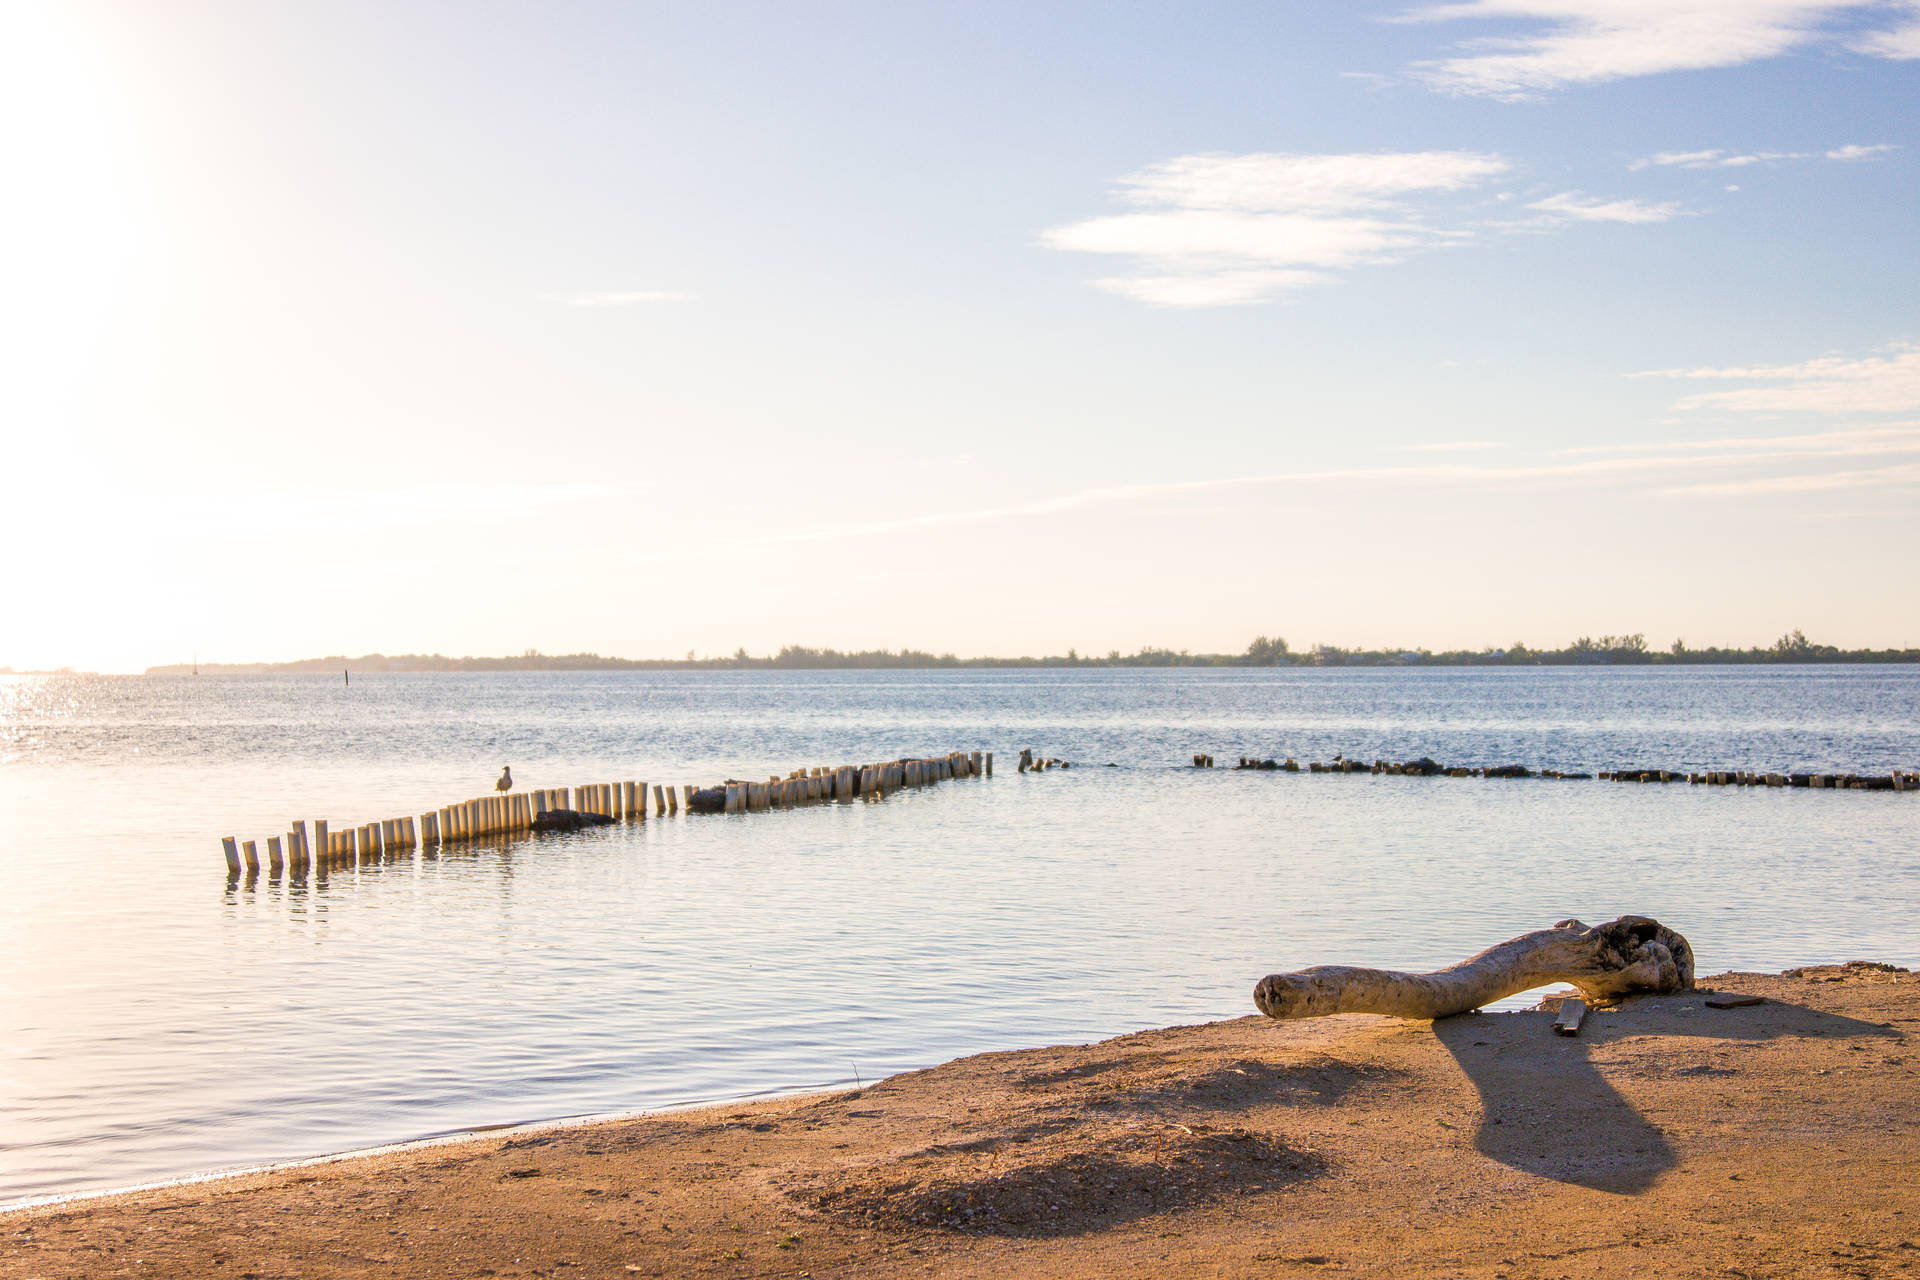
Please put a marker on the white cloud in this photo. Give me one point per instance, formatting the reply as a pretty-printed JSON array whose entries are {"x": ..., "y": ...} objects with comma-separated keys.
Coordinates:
[
  {"x": 1684, "y": 159},
  {"x": 1451, "y": 446},
  {"x": 1571, "y": 204},
  {"x": 1854, "y": 151},
  {"x": 1223, "y": 230},
  {"x": 1270, "y": 239},
  {"x": 1595, "y": 41},
  {"x": 1276, "y": 182},
  {"x": 625, "y": 299},
  {"x": 1718, "y": 159},
  {"x": 1886, "y": 383}
]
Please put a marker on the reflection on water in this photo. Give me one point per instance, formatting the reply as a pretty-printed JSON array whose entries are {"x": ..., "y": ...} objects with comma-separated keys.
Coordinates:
[{"x": 161, "y": 1020}]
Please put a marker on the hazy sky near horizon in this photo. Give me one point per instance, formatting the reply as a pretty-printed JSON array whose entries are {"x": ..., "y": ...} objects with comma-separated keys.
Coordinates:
[{"x": 992, "y": 328}]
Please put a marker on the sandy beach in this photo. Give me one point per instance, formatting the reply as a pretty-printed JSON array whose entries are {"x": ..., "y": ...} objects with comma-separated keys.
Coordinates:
[{"x": 1668, "y": 1138}]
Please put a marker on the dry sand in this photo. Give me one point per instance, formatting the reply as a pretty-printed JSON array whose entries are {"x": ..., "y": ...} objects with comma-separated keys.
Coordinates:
[{"x": 1668, "y": 1139}]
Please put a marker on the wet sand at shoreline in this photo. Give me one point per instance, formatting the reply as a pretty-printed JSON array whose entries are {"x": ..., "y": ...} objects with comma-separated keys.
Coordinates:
[{"x": 1668, "y": 1138}]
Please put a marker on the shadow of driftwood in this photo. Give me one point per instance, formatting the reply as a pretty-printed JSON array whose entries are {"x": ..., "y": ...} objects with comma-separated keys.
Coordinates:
[{"x": 1548, "y": 1110}]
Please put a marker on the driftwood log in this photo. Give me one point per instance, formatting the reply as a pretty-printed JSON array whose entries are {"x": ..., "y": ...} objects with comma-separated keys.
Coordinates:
[{"x": 1605, "y": 961}]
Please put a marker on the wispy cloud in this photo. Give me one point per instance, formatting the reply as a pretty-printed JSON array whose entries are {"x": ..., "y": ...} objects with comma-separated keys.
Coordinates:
[
  {"x": 1898, "y": 438},
  {"x": 625, "y": 298},
  {"x": 1451, "y": 446},
  {"x": 1834, "y": 384},
  {"x": 1872, "y": 477},
  {"x": 1718, "y": 159},
  {"x": 1654, "y": 471},
  {"x": 1580, "y": 42},
  {"x": 1582, "y": 208},
  {"x": 1900, "y": 42},
  {"x": 413, "y": 506},
  {"x": 1221, "y": 230}
]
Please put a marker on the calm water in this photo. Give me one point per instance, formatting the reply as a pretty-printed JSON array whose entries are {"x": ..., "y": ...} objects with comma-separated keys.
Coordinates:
[{"x": 156, "y": 1022}]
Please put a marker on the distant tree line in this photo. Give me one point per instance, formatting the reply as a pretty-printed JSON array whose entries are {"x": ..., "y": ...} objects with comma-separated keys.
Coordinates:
[{"x": 1264, "y": 651}]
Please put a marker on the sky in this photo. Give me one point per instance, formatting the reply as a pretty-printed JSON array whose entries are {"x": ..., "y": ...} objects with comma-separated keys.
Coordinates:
[{"x": 991, "y": 328}]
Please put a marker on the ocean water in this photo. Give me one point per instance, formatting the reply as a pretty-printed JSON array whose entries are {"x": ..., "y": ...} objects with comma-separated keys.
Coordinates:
[{"x": 156, "y": 1021}]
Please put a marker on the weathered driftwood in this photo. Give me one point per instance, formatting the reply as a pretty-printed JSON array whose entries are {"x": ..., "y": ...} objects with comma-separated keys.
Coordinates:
[{"x": 1605, "y": 962}]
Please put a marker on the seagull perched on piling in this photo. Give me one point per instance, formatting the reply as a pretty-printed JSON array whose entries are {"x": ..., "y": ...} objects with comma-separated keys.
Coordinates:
[{"x": 506, "y": 779}]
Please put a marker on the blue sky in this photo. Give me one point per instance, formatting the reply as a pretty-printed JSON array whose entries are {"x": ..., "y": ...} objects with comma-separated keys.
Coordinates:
[{"x": 992, "y": 328}]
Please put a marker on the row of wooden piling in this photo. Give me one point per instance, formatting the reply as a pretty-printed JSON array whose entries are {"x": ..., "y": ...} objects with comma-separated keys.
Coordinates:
[
  {"x": 513, "y": 812},
  {"x": 848, "y": 782},
  {"x": 504, "y": 812},
  {"x": 1897, "y": 780},
  {"x": 1894, "y": 781}
]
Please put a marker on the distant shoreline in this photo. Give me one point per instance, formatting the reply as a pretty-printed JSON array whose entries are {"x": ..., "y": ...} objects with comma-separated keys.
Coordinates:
[{"x": 1607, "y": 651}]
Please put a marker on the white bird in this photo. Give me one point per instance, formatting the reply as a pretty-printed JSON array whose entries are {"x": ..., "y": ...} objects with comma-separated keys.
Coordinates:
[{"x": 506, "y": 779}]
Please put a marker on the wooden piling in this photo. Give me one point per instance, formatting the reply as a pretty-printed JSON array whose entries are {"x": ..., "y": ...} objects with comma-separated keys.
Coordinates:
[
  {"x": 250, "y": 854},
  {"x": 276, "y": 856}
]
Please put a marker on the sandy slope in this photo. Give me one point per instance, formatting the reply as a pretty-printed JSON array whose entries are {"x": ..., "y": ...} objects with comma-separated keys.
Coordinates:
[{"x": 1669, "y": 1139}]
